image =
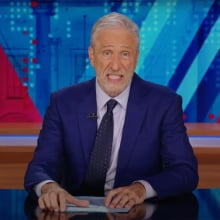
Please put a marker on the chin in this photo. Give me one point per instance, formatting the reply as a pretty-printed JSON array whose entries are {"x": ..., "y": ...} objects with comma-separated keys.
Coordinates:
[
  {"x": 114, "y": 93},
  {"x": 114, "y": 90}
]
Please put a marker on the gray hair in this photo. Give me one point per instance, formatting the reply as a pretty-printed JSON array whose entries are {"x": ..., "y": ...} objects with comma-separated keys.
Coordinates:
[{"x": 114, "y": 20}]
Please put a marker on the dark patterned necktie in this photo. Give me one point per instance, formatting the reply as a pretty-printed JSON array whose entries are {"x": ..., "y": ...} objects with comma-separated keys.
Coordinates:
[{"x": 101, "y": 153}]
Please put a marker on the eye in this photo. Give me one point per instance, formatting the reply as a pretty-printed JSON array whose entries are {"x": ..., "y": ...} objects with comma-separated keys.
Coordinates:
[
  {"x": 107, "y": 53},
  {"x": 125, "y": 54}
]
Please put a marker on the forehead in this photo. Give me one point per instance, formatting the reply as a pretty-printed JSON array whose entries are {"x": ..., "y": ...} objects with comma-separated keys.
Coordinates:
[{"x": 115, "y": 36}]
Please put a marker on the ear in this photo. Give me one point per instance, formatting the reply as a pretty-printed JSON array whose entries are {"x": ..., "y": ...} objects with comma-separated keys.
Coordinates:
[{"x": 91, "y": 55}]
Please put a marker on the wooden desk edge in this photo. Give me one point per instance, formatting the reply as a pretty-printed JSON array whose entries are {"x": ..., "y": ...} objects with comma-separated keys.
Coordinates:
[
  {"x": 18, "y": 154},
  {"x": 193, "y": 129},
  {"x": 203, "y": 129},
  {"x": 20, "y": 128}
]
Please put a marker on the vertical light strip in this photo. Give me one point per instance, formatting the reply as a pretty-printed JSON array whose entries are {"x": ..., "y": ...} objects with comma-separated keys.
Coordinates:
[
  {"x": 199, "y": 66},
  {"x": 156, "y": 16}
]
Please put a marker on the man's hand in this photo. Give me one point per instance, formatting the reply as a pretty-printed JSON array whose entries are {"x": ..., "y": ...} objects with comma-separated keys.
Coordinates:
[
  {"x": 126, "y": 197},
  {"x": 55, "y": 198}
]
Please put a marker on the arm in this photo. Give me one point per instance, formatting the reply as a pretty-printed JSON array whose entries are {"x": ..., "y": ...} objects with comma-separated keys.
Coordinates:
[
  {"x": 179, "y": 172},
  {"x": 166, "y": 160},
  {"x": 42, "y": 176},
  {"x": 48, "y": 153}
]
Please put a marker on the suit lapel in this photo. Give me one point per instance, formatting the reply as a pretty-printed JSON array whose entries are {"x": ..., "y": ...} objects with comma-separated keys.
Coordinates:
[{"x": 136, "y": 110}]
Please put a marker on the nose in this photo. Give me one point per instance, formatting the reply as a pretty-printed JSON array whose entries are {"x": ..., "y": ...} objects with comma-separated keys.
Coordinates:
[{"x": 115, "y": 63}]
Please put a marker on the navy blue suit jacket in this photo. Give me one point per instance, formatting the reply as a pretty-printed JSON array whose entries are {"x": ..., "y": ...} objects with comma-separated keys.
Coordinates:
[{"x": 154, "y": 145}]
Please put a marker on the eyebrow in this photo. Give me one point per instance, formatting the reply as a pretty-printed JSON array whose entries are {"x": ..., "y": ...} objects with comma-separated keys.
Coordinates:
[{"x": 106, "y": 46}]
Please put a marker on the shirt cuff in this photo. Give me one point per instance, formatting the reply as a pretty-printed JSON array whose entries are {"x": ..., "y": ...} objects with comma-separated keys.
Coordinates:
[
  {"x": 37, "y": 187},
  {"x": 150, "y": 192}
]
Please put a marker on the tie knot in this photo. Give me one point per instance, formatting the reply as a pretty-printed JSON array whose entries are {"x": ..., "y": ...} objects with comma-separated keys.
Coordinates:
[{"x": 111, "y": 104}]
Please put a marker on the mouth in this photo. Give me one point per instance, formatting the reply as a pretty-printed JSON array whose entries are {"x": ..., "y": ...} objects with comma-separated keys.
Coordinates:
[{"x": 114, "y": 77}]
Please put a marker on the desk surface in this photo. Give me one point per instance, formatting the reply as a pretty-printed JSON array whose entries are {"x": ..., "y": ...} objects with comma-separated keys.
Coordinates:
[{"x": 200, "y": 205}]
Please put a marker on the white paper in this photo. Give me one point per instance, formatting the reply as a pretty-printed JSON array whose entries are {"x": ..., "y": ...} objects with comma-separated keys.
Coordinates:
[{"x": 96, "y": 205}]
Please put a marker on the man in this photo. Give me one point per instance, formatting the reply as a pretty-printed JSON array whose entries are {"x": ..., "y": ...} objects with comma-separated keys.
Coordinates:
[{"x": 151, "y": 155}]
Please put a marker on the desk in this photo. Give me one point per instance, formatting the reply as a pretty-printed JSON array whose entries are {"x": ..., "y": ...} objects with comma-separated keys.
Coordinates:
[
  {"x": 202, "y": 204},
  {"x": 18, "y": 141}
]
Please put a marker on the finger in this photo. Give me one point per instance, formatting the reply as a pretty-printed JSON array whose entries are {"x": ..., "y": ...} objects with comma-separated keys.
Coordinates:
[
  {"x": 54, "y": 201},
  {"x": 122, "y": 197},
  {"x": 41, "y": 203},
  {"x": 110, "y": 196},
  {"x": 65, "y": 198},
  {"x": 130, "y": 204},
  {"x": 118, "y": 200},
  {"x": 82, "y": 203},
  {"x": 133, "y": 197},
  {"x": 120, "y": 203},
  {"x": 49, "y": 202},
  {"x": 44, "y": 202},
  {"x": 62, "y": 201},
  {"x": 77, "y": 202},
  {"x": 125, "y": 200}
]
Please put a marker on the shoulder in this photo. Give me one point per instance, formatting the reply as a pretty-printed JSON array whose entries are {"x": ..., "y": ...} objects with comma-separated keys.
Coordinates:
[
  {"x": 151, "y": 89},
  {"x": 75, "y": 91},
  {"x": 156, "y": 97}
]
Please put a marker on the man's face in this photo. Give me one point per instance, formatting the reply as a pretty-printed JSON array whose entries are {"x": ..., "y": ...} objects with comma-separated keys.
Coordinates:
[{"x": 114, "y": 56}]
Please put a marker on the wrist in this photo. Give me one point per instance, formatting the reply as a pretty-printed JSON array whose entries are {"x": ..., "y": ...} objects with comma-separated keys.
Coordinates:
[
  {"x": 141, "y": 189},
  {"x": 49, "y": 187}
]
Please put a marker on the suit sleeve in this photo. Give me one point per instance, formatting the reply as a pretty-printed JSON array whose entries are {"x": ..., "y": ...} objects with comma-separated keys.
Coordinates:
[
  {"x": 179, "y": 173},
  {"x": 48, "y": 153}
]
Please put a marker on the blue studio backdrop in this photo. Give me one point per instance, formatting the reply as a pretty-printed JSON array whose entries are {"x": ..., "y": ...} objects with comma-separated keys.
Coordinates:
[{"x": 46, "y": 43}]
